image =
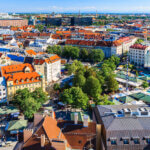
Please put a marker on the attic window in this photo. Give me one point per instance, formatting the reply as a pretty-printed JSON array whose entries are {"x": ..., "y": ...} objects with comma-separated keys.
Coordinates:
[
  {"x": 147, "y": 140},
  {"x": 27, "y": 80},
  {"x": 16, "y": 81},
  {"x": 38, "y": 78},
  {"x": 22, "y": 80},
  {"x": 125, "y": 140},
  {"x": 136, "y": 141},
  {"x": 113, "y": 141},
  {"x": 32, "y": 79}
]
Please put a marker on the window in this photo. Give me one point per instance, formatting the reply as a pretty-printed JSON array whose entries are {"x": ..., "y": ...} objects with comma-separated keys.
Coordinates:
[
  {"x": 136, "y": 141},
  {"x": 148, "y": 140},
  {"x": 113, "y": 142},
  {"x": 125, "y": 141}
]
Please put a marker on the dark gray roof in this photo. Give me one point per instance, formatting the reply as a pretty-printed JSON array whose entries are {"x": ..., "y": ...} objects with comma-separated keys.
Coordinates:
[
  {"x": 129, "y": 127},
  {"x": 123, "y": 126}
]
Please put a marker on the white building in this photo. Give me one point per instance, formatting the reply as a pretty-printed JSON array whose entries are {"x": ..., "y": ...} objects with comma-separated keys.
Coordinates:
[
  {"x": 147, "y": 59},
  {"x": 3, "y": 90},
  {"x": 138, "y": 54},
  {"x": 49, "y": 65}
]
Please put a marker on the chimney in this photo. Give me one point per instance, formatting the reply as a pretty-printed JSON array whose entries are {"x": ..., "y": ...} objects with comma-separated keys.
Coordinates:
[
  {"x": 42, "y": 140},
  {"x": 53, "y": 114},
  {"x": 98, "y": 137},
  {"x": 85, "y": 122},
  {"x": 75, "y": 118},
  {"x": 27, "y": 133},
  {"x": 37, "y": 119}
]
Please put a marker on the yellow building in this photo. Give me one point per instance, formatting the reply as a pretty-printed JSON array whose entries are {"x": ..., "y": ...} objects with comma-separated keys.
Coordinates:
[{"x": 21, "y": 76}]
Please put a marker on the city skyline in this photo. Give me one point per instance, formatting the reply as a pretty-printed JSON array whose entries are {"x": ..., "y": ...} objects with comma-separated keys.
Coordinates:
[{"x": 110, "y": 6}]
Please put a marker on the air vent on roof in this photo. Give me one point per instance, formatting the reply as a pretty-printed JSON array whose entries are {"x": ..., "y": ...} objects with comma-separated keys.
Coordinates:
[
  {"x": 143, "y": 111},
  {"x": 127, "y": 110}
]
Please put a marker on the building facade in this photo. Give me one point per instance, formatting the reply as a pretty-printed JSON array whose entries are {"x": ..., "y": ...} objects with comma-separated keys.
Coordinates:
[
  {"x": 138, "y": 54},
  {"x": 21, "y": 76},
  {"x": 124, "y": 127},
  {"x": 13, "y": 22},
  {"x": 49, "y": 65},
  {"x": 3, "y": 90}
]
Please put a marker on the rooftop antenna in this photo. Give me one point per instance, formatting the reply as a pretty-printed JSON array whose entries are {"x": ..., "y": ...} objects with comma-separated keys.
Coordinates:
[
  {"x": 127, "y": 73},
  {"x": 96, "y": 14},
  {"x": 79, "y": 14}
]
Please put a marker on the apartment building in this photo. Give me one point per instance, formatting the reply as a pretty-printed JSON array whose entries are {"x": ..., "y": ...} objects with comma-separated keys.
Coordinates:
[
  {"x": 3, "y": 90},
  {"x": 48, "y": 65},
  {"x": 13, "y": 22},
  {"x": 124, "y": 127},
  {"x": 147, "y": 59},
  {"x": 21, "y": 76},
  {"x": 138, "y": 53}
]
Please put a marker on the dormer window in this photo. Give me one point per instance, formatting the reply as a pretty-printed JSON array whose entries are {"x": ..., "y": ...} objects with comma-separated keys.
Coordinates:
[
  {"x": 136, "y": 140},
  {"x": 113, "y": 141},
  {"x": 125, "y": 140},
  {"x": 38, "y": 78},
  {"x": 27, "y": 80},
  {"x": 27, "y": 69},
  {"x": 22, "y": 80},
  {"x": 147, "y": 139},
  {"x": 32, "y": 79},
  {"x": 16, "y": 81}
]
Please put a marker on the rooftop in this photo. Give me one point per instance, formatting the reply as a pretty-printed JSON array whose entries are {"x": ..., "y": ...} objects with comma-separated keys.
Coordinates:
[{"x": 139, "y": 46}]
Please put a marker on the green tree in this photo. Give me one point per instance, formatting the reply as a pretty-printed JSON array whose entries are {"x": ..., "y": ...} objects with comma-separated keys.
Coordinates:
[
  {"x": 92, "y": 87},
  {"x": 56, "y": 49},
  {"x": 39, "y": 95},
  {"x": 96, "y": 55},
  {"x": 115, "y": 59},
  {"x": 106, "y": 70},
  {"x": 79, "y": 80},
  {"x": 112, "y": 84},
  {"x": 137, "y": 74},
  {"x": 39, "y": 27},
  {"x": 139, "y": 41},
  {"x": 74, "y": 52},
  {"x": 75, "y": 97},
  {"x": 110, "y": 64},
  {"x": 103, "y": 100},
  {"x": 145, "y": 84},
  {"x": 29, "y": 102},
  {"x": 20, "y": 96},
  {"x": 30, "y": 107},
  {"x": 56, "y": 87},
  {"x": 84, "y": 54},
  {"x": 74, "y": 67},
  {"x": 71, "y": 52},
  {"x": 90, "y": 72}
]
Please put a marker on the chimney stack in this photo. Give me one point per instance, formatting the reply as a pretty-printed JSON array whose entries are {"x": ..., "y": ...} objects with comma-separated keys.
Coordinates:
[
  {"x": 85, "y": 122},
  {"x": 75, "y": 118},
  {"x": 27, "y": 133},
  {"x": 53, "y": 114},
  {"x": 42, "y": 140}
]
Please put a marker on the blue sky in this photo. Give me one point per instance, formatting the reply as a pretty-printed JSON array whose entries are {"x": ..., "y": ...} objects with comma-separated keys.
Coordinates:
[{"x": 75, "y": 5}]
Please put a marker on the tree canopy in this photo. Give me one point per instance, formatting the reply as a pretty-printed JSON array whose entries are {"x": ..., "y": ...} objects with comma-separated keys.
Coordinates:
[
  {"x": 75, "y": 97},
  {"x": 29, "y": 102},
  {"x": 92, "y": 87}
]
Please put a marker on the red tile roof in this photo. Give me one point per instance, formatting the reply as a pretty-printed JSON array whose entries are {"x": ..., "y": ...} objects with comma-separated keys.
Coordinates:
[
  {"x": 51, "y": 59},
  {"x": 139, "y": 46},
  {"x": 17, "y": 74}
]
